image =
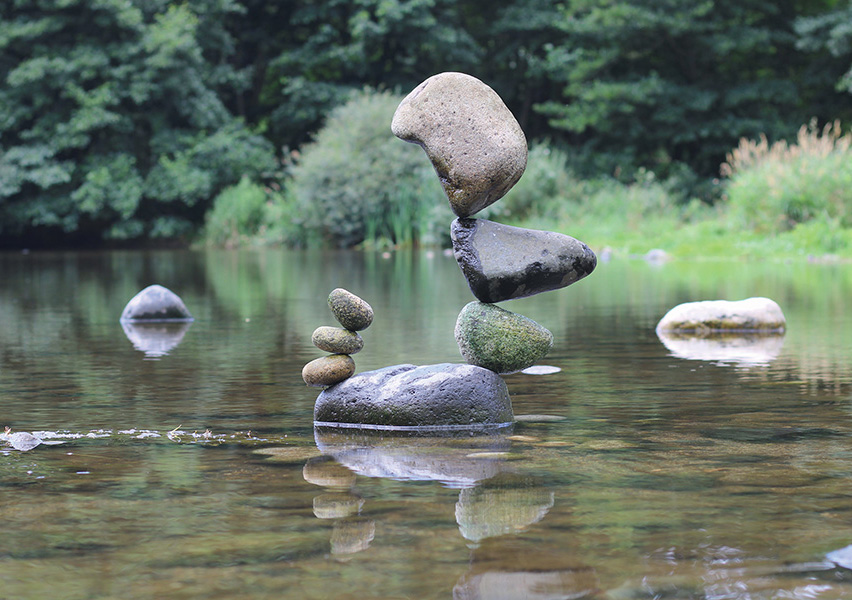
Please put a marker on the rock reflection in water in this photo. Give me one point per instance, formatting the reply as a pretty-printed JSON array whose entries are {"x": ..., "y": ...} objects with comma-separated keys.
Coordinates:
[
  {"x": 536, "y": 573},
  {"x": 507, "y": 503},
  {"x": 742, "y": 350},
  {"x": 448, "y": 456},
  {"x": 155, "y": 339}
]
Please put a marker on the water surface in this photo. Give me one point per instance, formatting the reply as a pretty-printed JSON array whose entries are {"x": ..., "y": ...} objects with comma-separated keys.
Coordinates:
[{"x": 189, "y": 466}]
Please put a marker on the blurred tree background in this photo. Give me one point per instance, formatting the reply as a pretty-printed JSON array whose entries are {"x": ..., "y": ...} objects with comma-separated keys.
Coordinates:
[{"x": 123, "y": 121}]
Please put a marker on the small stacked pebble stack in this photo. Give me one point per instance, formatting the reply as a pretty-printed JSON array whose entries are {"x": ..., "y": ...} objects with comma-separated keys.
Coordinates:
[{"x": 354, "y": 315}]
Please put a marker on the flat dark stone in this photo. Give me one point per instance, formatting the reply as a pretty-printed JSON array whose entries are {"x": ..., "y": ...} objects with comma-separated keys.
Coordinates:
[
  {"x": 442, "y": 395},
  {"x": 501, "y": 262}
]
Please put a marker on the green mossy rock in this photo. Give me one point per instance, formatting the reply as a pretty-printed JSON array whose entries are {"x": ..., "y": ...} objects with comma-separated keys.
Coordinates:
[
  {"x": 497, "y": 339},
  {"x": 337, "y": 340},
  {"x": 350, "y": 311}
]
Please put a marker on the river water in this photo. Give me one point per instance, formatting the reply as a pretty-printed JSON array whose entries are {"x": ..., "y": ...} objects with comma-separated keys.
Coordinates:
[{"x": 183, "y": 462}]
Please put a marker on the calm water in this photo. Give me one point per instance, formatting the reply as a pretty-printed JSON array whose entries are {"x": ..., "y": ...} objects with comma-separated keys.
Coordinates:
[{"x": 640, "y": 470}]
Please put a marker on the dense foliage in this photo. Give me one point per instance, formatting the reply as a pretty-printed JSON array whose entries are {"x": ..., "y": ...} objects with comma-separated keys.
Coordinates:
[{"x": 124, "y": 119}]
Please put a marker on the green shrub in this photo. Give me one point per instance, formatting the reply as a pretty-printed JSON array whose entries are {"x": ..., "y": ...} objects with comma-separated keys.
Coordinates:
[
  {"x": 357, "y": 183},
  {"x": 774, "y": 188},
  {"x": 237, "y": 214}
]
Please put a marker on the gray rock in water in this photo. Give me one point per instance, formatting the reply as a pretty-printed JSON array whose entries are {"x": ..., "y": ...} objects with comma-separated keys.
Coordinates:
[
  {"x": 407, "y": 396},
  {"x": 713, "y": 316},
  {"x": 501, "y": 262},
  {"x": 21, "y": 440},
  {"x": 156, "y": 303},
  {"x": 497, "y": 339},
  {"x": 472, "y": 139}
]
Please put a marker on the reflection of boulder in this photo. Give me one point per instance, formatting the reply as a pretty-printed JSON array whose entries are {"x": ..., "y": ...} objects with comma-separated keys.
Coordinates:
[
  {"x": 328, "y": 473},
  {"x": 155, "y": 339},
  {"x": 504, "y": 504},
  {"x": 352, "y": 535},
  {"x": 743, "y": 349},
  {"x": 337, "y": 505},
  {"x": 448, "y": 457},
  {"x": 527, "y": 585}
]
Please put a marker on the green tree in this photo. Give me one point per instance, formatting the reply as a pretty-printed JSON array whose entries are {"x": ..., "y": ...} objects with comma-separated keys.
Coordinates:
[
  {"x": 113, "y": 118},
  {"x": 676, "y": 81}
]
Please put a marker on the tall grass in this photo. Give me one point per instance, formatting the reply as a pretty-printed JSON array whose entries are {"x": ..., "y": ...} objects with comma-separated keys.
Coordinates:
[{"x": 774, "y": 188}]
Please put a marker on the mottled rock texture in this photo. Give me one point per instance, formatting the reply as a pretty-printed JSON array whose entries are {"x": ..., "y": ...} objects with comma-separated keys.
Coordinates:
[
  {"x": 499, "y": 340},
  {"x": 352, "y": 312},
  {"x": 337, "y": 340},
  {"x": 713, "y": 316},
  {"x": 501, "y": 262},
  {"x": 472, "y": 139},
  {"x": 408, "y": 396},
  {"x": 155, "y": 303},
  {"x": 328, "y": 370}
]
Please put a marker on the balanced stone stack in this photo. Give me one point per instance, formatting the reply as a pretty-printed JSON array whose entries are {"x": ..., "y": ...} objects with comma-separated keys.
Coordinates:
[
  {"x": 354, "y": 315},
  {"x": 479, "y": 152}
]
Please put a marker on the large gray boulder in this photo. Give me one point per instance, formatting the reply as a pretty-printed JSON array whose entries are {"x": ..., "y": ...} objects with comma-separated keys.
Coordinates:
[
  {"x": 442, "y": 395},
  {"x": 499, "y": 340},
  {"x": 714, "y": 316},
  {"x": 501, "y": 262},
  {"x": 472, "y": 139},
  {"x": 155, "y": 303}
]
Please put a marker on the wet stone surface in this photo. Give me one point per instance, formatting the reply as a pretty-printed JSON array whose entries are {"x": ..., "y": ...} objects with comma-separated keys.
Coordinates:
[
  {"x": 501, "y": 262},
  {"x": 408, "y": 396}
]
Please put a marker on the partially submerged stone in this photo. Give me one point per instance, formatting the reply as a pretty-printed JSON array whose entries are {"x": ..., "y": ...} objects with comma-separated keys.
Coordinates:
[
  {"x": 155, "y": 303},
  {"x": 501, "y": 262},
  {"x": 352, "y": 312},
  {"x": 407, "y": 396},
  {"x": 472, "y": 139},
  {"x": 328, "y": 370},
  {"x": 21, "y": 440},
  {"x": 713, "y": 316},
  {"x": 337, "y": 340},
  {"x": 499, "y": 340}
]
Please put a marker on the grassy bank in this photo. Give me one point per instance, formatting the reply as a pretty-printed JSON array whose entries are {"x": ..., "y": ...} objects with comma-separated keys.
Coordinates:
[{"x": 357, "y": 185}]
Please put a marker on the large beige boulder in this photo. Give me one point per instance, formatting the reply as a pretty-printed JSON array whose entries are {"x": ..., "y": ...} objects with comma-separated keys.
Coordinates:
[
  {"x": 472, "y": 139},
  {"x": 719, "y": 316}
]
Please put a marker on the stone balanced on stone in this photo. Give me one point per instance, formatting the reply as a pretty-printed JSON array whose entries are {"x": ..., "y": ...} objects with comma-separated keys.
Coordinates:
[
  {"x": 354, "y": 314},
  {"x": 479, "y": 152}
]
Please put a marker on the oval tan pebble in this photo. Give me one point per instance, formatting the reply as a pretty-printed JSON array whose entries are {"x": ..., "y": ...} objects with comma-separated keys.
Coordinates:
[
  {"x": 328, "y": 370},
  {"x": 337, "y": 340},
  {"x": 350, "y": 311}
]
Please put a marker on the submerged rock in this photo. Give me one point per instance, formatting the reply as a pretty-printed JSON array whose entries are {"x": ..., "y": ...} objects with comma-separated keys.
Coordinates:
[
  {"x": 21, "y": 440},
  {"x": 337, "y": 340},
  {"x": 408, "y": 396},
  {"x": 472, "y": 139},
  {"x": 501, "y": 262},
  {"x": 352, "y": 312},
  {"x": 156, "y": 303},
  {"x": 713, "y": 316},
  {"x": 328, "y": 370},
  {"x": 499, "y": 340}
]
